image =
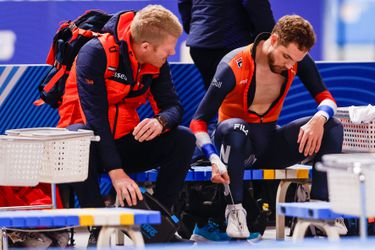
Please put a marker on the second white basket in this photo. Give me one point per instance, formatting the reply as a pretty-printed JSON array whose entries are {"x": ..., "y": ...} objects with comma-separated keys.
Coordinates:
[{"x": 344, "y": 184}]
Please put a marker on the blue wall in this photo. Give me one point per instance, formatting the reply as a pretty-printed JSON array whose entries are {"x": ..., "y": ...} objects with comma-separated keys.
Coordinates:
[
  {"x": 310, "y": 10},
  {"x": 33, "y": 23}
]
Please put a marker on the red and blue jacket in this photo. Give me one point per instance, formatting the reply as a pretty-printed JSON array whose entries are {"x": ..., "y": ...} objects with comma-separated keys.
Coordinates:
[
  {"x": 233, "y": 88},
  {"x": 107, "y": 102}
]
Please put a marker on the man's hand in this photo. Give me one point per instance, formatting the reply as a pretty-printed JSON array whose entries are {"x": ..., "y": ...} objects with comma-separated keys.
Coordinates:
[
  {"x": 147, "y": 129},
  {"x": 125, "y": 187},
  {"x": 218, "y": 177},
  {"x": 219, "y": 172},
  {"x": 310, "y": 135}
]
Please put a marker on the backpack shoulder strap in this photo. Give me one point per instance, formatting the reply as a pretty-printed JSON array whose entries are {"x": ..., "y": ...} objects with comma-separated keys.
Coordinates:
[{"x": 112, "y": 53}]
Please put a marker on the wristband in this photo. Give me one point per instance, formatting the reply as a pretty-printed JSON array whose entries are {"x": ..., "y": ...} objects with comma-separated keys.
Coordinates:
[{"x": 162, "y": 121}]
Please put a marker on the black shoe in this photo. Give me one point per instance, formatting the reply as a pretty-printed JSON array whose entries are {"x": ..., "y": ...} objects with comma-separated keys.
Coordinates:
[
  {"x": 94, "y": 235},
  {"x": 178, "y": 239}
]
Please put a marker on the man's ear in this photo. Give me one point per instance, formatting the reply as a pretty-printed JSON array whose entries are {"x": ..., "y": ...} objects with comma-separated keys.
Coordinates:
[
  {"x": 145, "y": 46},
  {"x": 274, "y": 39}
]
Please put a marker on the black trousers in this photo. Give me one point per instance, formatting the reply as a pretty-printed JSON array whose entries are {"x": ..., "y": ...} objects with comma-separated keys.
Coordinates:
[
  {"x": 171, "y": 152},
  {"x": 206, "y": 60},
  {"x": 269, "y": 146}
]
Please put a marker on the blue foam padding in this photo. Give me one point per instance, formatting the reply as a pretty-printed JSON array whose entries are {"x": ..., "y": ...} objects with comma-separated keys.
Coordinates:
[
  {"x": 72, "y": 220},
  {"x": 308, "y": 210},
  {"x": 199, "y": 175},
  {"x": 247, "y": 175},
  {"x": 257, "y": 174},
  {"x": 27, "y": 219},
  {"x": 18, "y": 222},
  {"x": 48, "y": 221},
  {"x": 154, "y": 217},
  {"x": 140, "y": 219},
  {"x": 152, "y": 175},
  {"x": 207, "y": 175},
  {"x": 189, "y": 176},
  {"x": 5, "y": 222},
  {"x": 133, "y": 176},
  {"x": 32, "y": 221},
  {"x": 142, "y": 216},
  {"x": 141, "y": 177},
  {"x": 59, "y": 221}
]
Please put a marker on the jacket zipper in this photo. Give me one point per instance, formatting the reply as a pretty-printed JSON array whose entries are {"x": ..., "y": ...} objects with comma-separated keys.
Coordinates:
[
  {"x": 136, "y": 76},
  {"x": 115, "y": 122}
]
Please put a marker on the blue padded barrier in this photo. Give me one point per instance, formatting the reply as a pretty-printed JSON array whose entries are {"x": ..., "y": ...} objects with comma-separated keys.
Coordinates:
[
  {"x": 350, "y": 83},
  {"x": 308, "y": 210},
  {"x": 77, "y": 217},
  {"x": 26, "y": 219}
]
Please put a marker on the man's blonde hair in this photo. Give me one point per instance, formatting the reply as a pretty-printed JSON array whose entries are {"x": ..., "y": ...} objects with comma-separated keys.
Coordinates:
[{"x": 153, "y": 23}]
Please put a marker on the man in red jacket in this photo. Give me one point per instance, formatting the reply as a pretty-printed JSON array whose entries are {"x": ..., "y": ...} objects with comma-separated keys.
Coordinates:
[{"x": 142, "y": 42}]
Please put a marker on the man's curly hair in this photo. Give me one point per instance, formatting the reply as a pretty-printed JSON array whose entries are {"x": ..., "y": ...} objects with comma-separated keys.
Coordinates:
[{"x": 295, "y": 29}]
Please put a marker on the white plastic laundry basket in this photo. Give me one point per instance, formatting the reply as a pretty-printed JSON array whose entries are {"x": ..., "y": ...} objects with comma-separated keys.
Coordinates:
[
  {"x": 343, "y": 183},
  {"x": 65, "y": 154},
  {"x": 357, "y": 137},
  {"x": 20, "y": 161}
]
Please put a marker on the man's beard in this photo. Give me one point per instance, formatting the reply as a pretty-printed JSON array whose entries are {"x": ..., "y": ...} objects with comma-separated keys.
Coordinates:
[{"x": 273, "y": 67}]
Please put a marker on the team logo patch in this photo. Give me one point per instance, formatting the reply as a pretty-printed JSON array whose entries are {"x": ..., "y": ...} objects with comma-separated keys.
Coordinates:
[
  {"x": 215, "y": 82},
  {"x": 239, "y": 62}
]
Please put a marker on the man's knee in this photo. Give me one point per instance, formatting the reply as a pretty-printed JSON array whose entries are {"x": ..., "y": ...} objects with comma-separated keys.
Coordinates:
[
  {"x": 335, "y": 124},
  {"x": 334, "y": 131},
  {"x": 184, "y": 147},
  {"x": 185, "y": 136}
]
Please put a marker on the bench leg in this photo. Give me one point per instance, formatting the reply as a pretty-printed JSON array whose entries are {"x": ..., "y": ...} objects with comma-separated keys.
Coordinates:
[
  {"x": 104, "y": 239},
  {"x": 119, "y": 237},
  {"x": 135, "y": 235},
  {"x": 328, "y": 227},
  {"x": 4, "y": 239},
  {"x": 280, "y": 219},
  {"x": 331, "y": 232},
  {"x": 300, "y": 229}
]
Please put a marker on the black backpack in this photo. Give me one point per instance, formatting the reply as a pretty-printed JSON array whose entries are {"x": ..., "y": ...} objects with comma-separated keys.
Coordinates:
[
  {"x": 68, "y": 40},
  {"x": 200, "y": 201},
  {"x": 157, "y": 233}
]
